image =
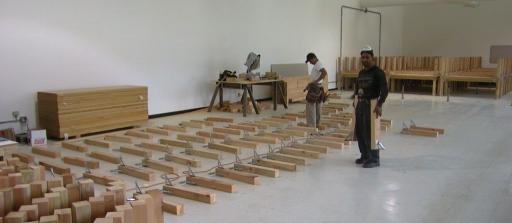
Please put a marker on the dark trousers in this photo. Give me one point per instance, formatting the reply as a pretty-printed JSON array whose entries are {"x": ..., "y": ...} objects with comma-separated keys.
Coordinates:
[{"x": 363, "y": 131}]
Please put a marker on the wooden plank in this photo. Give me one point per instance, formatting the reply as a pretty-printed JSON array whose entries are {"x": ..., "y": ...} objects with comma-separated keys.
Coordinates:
[
  {"x": 261, "y": 139},
  {"x": 417, "y": 132},
  {"x": 81, "y": 162},
  {"x": 375, "y": 126},
  {"x": 205, "y": 123},
  {"x": 57, "y": 167},
  {"x": 238, "y": 176},
  {"x": 330, "y": 144},
  {"x": 172, "y": 208},
  {"x": 110, "y": 202},
  {"x": 117, "y": 138},
  {"x": 174, "y": 128},
  {"x": 183, "y": 160},
  {"x": 300, "y": 152},
  {"x": 31, "y": 210},
  {"x": 22, "y": 195},
  {"x": 205, "y": 197},
  {"x": 119, "y": 194},
  {"x": 158, "y": 131},
  {"x": 64, "y": 215},
  {"x": 211, "y": 184},
  {"x": 330, "y": 138},
  {"x": 218, "y": 119},
  {"x": 16, "y": 217},
  {"x": 241, "y": 143},
  {"x": 177, "y": 143},
  {"x": 117, "y": 217},
  {"x": 287, "y": 158},
  {"x": 269, "y": 123},
  {"x": 155, "y": 147},
  {"x": 38, "y": 188},
  {"x": 286, "y": 117},
  {"x": 309, "y": 147},
  {"x": 24, "y": 157},
  {"x": 97, "y": 207},
  {"x": 42, "y": 203},
  {"x": 257, "y": 125},
  {"x": 281, "y": 165},
  {"x": 203, "y": 153},
  {"x": 86, "y": 189},
  {"x": 7, "y": 203},
  {"x": 278, "y": 120},
  {"x": 81, "y": 212},
  {"x": 135, "y": 151},
  {"x": 276, "y": 135},
  {"x": 192, "y": 138},
  {"x": 97, "y": 143},
  {"x": 303, "y": 129},
  {"x": 260, "y": 170},
  {"x": 440, "y": 131},
  {"x": 195, "y": 125},
  {"x": 137, "y": 172},
  {"x": 138, "y": 134},
  {"x": 214, "y": 135},
  {"x": 224, "y": 148},
  {"x": 243, "y": 127},
  {"x": 228, "y": 131},
  {"x": 127, "y": 211},
  {"x": 53, "y": 201},
  {"x": 73, "y": 193},
  {"x": 74, "y": 147},
  {"x": 157, "y": 197},
  {"x": 159, "y": 165},
  {"x": 49, "y": 219},
  {"x": 63, "y": 196},
  {"x": 294, "y": 133},
  {"x": 101, "y": 178},
  {"x": 105, "y": 156},
  {"x": 45, "y": 152}
]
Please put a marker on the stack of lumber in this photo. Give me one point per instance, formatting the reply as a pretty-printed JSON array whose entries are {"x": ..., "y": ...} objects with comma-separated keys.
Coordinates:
[
  {"x": 293, "y": 88},
  {"x": 82, "y": 111}
]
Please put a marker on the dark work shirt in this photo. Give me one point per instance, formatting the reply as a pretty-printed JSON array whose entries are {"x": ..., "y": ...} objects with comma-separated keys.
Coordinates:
[{"x": 372, "y": 84}]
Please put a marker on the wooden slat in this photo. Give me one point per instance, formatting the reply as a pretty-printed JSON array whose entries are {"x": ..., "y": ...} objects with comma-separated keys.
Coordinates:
[
  {"x": 314, "y": 148},
  {"x": 159, "y": 165},
  {"x": 330, "y": 144},
  {"x": 303, "y": 129},
  {"x": 154, "y": 146},
  {"x": 174, "y": 128},
  {"x": 440, "y": 131},
  {"x": 24, "y": 157},
  {"x": 117, "y": 138},
  {"x": 261, "y": 139},
  {"x": 300, "y": 152},
  {"x": 276, "y": 135},
  {"x": 135, "y": 151},
  {"x": 417, "y": 132},
  {"x": 183, "y": 160},
  {"x": 195, "y": 125},
  {"x": 211, "y": 184},
  {"x": 137, "y": 172},
  {"x": 275, "y": 164},
  {"x": 205, "y": 123},
  {"x": 57, "y": 167},
  {"x": 101, "y": 178},
  {"x": 192, "y": 138},
  {"x": 294, "y": 133},
  {"x": 214, "y": 135},
  {"x": 241, "y": 143},
  {"x": 177, "y": 143},
  {"x": 45, "y": 152},
  {"x": 173, "y": 208},
  {"x": 287, "y": 158},
  {"x": 228, "y": 131},
  {"x": 224, "y": 148},
  {"x": 238, "y": 176},
  {"x": 81, "y": 162},
  {"x": 243, "y": 127},
  {"x": 138, "y": 134},
  {"x": 105, "y": 156},
  {"x": 74, "y": 147},
  {"x": 205, "y": 197},
  {"x": 218, "y": 119},
  {"x": 257, "y": 125},
  {"x": 158, "y": 131},
  {"x": 97, "y": 143},
  {"x": 203, "y": 153},
  {"x": 260, "y": 170}
]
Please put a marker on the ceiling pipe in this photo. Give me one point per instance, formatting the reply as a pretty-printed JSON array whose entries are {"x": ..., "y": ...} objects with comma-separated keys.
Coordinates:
[{"x": 386, "y": 3}]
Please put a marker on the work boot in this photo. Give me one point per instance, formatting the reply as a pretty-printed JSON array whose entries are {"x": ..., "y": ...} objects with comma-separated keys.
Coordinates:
[
  {"x": 361, "y": 160},
  {"x": 371, "y": 164}
]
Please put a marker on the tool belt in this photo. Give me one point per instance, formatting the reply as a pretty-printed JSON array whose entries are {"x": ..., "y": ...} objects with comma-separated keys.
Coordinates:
[{"x": 315, "y": 94}]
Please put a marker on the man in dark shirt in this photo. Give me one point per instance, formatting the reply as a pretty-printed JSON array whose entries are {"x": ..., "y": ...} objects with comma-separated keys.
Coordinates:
[{"x": 371, "y": 84}]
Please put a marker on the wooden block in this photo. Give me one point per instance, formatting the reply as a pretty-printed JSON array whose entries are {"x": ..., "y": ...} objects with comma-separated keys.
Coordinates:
[
  {"x": 68, "y": 178},
  {"x": 211, "y": 184},
  {"x": 260, "y": 170},
  {"x": 309, "y": 147},
  {"x": 269, "y": 123},
  {"x": 110, "y": 200},
  {"x": 4, "y": 182},
  {"x": 43, "y": 206},
  {"x": 288, "y": 118},
  {"x": 49, "y": 219},
  {"x": 57, "y": 167},
  {"x": 238, "y": 176},
  {"x": 281, "y": 165},
  {"x": 73, "y": 193},
  {"x": 55, "y": 182},
  {"x": 228, "y": 131},
  {"x": 135, "y": 151},
  {"x": 140, "y": 212},
  {"x": 205, "y": 123},
  {"x": 86, "y": 189},
  {"x": 27, "y": 176},
  {"x": 45, "y": 152},
  {"x": 63, "y": 195},
  {"x": 137, "y": 172},
  {"x": 183, "y": 160},
  {"x": 192, "y": 138},
  {"x": 158, "y": 131},
  {"x": 172, "y": 208},
  {"x": 218, "y": 119},
  {"x": 303, "y": 129},
  {"x": 138, "y": 134},
  {"x": 32, "y": 212},
  {"x": 64, "y": 215},
  {"x": 159, "y": 165},
  {"x": 39, "y": 171},
  {"x": 330, "y": 144},
  {"x": 205, "y": 197},
  {"x": 195, "y": 125},
  {"x": 224, "y": 148},
  {"x": 157, "y": 197},
  {"x": 144, "y": 208},
  {"x": 127, "y": 211},
  {"x": 15, "y": 179},
  {"x": 105, "y": 156},
  {"x": 262, "y": 139},
  {"x": 119, "y": 194},
  {"x": 439, "y": 131},
  {"x": 24, "y": 157},
  {"x": 16, "y": 217},
  {"x": 81, "y": 162},
  {"x": 275, "y": 135},
  {"x": 101, "y": 178},
  {"x": 287, "y": 158},
  {"x": 38, "y": 188},
  {"x": 74, "y": 147},
  {"x": 97, "y": 143},
  {"x": 117, "y": 217},
  {"x": 81, "y": 212},
  {"x": 7, "y": 204},
  {"x": 53, "y": 201},
  {"x": 300, "y": 153},
  {"x": 214, "y": 135},
  {"x": 257, "y": 125},
  {"x": 97, "y": 207},
  {"x": 22, "y": 195},
  {"x": 203, "y": 153},
  {"x": 175, "y": 128},
  {"x": 418, "y": 132},
  {"x": 279, "y": 120},
  {"x": 155, "y": 147},
  {"x": 177, "y": 143},
  {"x": 243, "y": 127},
  {"x": 241, "y": 143},
  {"x": 116, "y": 138},
  {"x": 104, "y": 220},
  {"x": 294, "y": 133},
  {"x": 331, "y": 138}
]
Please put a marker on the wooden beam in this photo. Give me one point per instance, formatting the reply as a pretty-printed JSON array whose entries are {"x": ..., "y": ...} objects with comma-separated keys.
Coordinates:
[
  {"x": 331, "y": 138},
  {"x": 276, "y": 135},
  {"x": 74, "y": 147},
  {"x": 205, "y": 123},
  {"x": 119, "y": 194},
  {"x": 238, "y": 176},
  {"x": 45, "y": 152},
  {"x": 53, "y": 201},
  {"x": 224, "y": 148},
  {"x": 205, "y": 197},
  {"x": 440, "y": 131},
  {"x": 86, "y": 189},
  {"x": 261, "y": 139},
  {"x": 241, "y": 143},
  {"x": 42, "y": 203},
  {"x": 63, "y": 195},
  {"x": 417, "y": 132},
  {"x": 97, "y": 143},
  {"x": 172, "y": 208},
  {"x": 105, "y": 156},
  {"x": 73, "y": 193},
  {"x": 24, "y": 157},
  {"x": 257, "y": 125},
  {"x": 81, "y": 212},
  {"x": 243, "y": 127},
  {"x": 287, "y": 158},
  {"x": 100, "y": 178},
  {"x": 211, "y": 184},
  {"x": 31, "y": 210},
  {"x": 177, "y": 143},
  {"x": 64, "y": 215},
  {"x": 138, "y": 134},
  {"x": 117, "y": 138},
  {"x": 183, "y": 160},
  {"x": 293, "y": 132},
  {"x": 269, "y": 123},
  {"x": 159, "y": 165},
  {"x": 228, "y": 131},
  {"x": 158, "y": 131},
  {"x": 330, "y": 144},
  {"x": 288, "y": 118},
  {"x": 49, "y": 219},
  {"x": 203, "y": 153},
  {"x": 81, "y": 162},
  {"x": 16, "y": 217},
  {"x": 57, "y": 167},
  {"x": 303, "y": 129},
  {"x": 300, "y": 152},
  {"x": 155, "y": 147},
  {"x": 281, "y": 165},
  {"x": 135, "y": 151},
  {"x": 22, "y": 195},
  {"x": 97, "y": 207},
  {"x": 218, "y": 119},
  {"x": 192, "y": 138},
  {"x": 214, "y": 135},
  {"x": 38, "y": 188},
  {"x": 309, "y": 147},
  {"x": 175, "y": 128},
  {"x": 279, "y": 120},
  {"x": 195, "y": 125},
  {"x": 260, "y": 170},
  {"x": 137, "y": 172}
]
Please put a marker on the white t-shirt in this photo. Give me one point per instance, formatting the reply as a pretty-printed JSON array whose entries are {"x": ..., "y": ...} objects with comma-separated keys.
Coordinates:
[{"x": 315, "y": 72}]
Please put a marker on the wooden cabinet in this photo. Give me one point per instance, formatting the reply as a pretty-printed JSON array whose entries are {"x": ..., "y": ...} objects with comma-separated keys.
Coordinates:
[{"x": 82, "y": 111}]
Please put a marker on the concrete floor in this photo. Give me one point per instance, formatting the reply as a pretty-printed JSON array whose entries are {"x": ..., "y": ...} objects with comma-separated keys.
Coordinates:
[{"x": 463, "y": 176}]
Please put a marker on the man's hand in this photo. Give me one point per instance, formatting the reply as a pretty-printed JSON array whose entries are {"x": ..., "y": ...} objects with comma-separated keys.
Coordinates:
[{"x": 378, "y": 111}]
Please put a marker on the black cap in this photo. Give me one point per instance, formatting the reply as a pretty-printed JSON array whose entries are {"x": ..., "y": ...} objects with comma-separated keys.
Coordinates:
[{"x": 310, "y": 56}]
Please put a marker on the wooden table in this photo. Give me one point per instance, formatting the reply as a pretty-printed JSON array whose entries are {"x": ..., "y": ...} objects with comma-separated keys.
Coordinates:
[
  {"x": 247, "y": 87},
  {"x": 6, "y": 148}
]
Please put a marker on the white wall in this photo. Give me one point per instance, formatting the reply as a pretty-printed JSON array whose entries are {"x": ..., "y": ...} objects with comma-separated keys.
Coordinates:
[
  {"x": 453, "y": 30},
  {"x": 177, "y": 48}
]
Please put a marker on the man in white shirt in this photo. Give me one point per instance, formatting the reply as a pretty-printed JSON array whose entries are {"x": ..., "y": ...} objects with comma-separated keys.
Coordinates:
[{"x": 315, "y": 90}]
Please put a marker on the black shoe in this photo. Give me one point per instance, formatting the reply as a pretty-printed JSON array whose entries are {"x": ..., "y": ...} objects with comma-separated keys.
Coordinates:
[
  {"x": 371, "y": 164},
  {"x": 361, "y": 161}
]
